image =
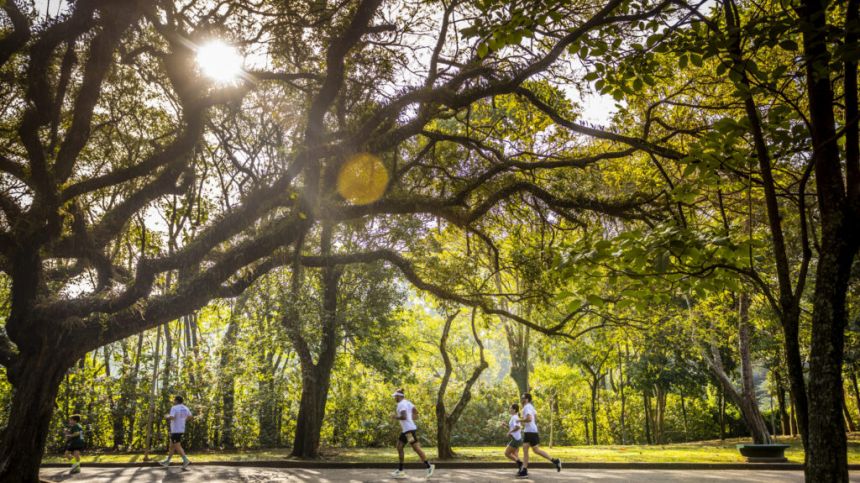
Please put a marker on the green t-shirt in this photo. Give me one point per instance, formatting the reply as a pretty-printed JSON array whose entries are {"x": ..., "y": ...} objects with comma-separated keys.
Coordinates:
[{"x": 76, "y": 428}]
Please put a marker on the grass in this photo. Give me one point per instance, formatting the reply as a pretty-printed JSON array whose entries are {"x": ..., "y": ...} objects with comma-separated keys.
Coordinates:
[{"x": 698, "y": 452}]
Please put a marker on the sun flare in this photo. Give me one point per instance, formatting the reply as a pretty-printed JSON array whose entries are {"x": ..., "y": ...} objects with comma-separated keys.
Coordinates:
[{"x": 220, "y": 61}]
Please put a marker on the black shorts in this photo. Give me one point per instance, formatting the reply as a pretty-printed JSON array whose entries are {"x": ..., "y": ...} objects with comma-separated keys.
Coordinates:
[
  {"x": 409, "y": 437},
  {"x": 532, "y": 439},
  {"x": 176, "y": 437},
  {"x": 74, "y": 446}
]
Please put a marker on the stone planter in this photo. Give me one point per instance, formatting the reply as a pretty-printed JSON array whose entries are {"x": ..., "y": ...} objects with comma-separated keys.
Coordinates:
[{"x": 764, "y": 453}]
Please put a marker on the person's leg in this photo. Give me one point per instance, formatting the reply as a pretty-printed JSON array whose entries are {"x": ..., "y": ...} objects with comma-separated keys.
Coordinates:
[
  {"x": 400, "y": 454},
  {"x": 526, "y": 455},
  {"x": 509, "y": 453},
  {"x": 416, "y": 446},
  {"x": 541, "y": 452}
]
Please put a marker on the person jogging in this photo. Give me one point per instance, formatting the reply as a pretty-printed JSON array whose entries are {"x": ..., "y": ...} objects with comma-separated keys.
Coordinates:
[
  {"x": 512, "y": 450},
  {"x": 74, "y": 434},
  {"x": 405, "y": 414},
  {"x": 531, "y": 439},
  {"x": 178, "y": 415}
]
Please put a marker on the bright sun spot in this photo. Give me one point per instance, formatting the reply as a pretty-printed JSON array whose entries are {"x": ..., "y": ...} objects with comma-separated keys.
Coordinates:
[{"x": 219, "y": 61}]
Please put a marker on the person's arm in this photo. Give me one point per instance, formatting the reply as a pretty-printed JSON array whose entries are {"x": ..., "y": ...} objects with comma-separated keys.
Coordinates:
[
  {"x": 527, "y": 418},
  {"x": 401, "y": 416}
]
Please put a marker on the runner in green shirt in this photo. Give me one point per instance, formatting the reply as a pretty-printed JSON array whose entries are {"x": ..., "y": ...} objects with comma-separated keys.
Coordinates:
[{"x": 74, "y": 442}]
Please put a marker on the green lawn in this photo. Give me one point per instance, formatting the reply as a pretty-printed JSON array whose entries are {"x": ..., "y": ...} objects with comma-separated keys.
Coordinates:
[{"x": 699, "y": 452}]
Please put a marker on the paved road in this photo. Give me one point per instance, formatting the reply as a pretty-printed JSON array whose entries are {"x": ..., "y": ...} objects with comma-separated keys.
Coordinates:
[{"x": 223, "y": 474}]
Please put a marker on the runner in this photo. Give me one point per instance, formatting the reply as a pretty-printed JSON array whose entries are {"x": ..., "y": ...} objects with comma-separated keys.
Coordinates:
[
  {"x": 179, "y": 413},
  {"x": 512, "y": 450},
  {"x": 406, "y": 414},
  {"x": 531, "y": 438},
  {"x": 74, "y": 442}
]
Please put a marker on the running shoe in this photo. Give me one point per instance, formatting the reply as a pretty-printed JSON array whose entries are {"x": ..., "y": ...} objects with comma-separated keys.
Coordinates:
[
  {"x": 185, "y": 464},
  {"x": 430, "y": 470},
  {"x": 398, "y": 474},
  {"x": 164, "y": 463},
  {"x": 557, "y": 463}
]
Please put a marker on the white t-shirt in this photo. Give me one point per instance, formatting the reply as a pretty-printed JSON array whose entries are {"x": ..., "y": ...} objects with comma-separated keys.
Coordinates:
[
  {"x": 531, "y": 426},
  {"x": 513, "y": 423},
  {"x": 179, "y": 413},
  {"x": 406, "y": 424}
]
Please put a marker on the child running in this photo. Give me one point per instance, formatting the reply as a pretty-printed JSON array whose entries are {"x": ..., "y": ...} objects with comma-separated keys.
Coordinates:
[
  {"x": 179, "y": 413},
  {"x": 74, "y": 442},
  {"x": 405, "y": 414},
  {"x": 512, "y": 450},
  {"x": 531, "y": 439}
]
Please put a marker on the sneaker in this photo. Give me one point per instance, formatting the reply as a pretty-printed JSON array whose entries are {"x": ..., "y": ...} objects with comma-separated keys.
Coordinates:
[
  {"x": 185, "y": 464},
  {"x": 164, "y": 463},
  {"x": 523, "y": 473},
  {"x": 430, "y": 470},
  {"x": 75, "y": 469},
  {"x": 398, "y": 474},
  {"x": 519, "y": 465},
  {"x": 557, "y": 463}
]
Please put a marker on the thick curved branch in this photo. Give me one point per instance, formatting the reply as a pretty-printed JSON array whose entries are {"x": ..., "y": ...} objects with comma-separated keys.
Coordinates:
[{"x": 406, "y": 268}]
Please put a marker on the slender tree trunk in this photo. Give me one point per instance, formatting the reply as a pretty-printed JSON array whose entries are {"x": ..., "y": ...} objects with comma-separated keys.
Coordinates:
[
  {"x": 856, "y": 388},
  {"x": 228, "y": 383},
  {"x": 781, "y": 403},
  {"x": 646, "y": 405},
  {"x": 153, "y": 396},
  {"x": 848, "y": 420},
  {"x": 684, "y": 415},
  {"x": 722, "y": 404},
  {"x": 594, "y": 393}
]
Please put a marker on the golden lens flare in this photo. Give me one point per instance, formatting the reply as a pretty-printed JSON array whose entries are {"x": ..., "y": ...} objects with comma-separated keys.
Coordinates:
[{"x": 362, "y": 179}]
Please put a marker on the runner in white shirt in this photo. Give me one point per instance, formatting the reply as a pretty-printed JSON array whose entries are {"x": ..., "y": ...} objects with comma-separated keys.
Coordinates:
[
  {"x": 512, "y": 450},
  {"x": 405, "y": 415},
  {"x": 531, "y": 439},
  {"x": 179, "y": 413}
]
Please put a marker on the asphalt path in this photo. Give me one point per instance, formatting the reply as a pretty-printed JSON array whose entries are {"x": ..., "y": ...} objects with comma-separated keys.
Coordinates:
[{"x": 219, "y": 474}]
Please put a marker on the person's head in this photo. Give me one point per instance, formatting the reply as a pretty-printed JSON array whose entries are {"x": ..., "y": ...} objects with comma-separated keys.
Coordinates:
[
  {"x": 526, "y": 399},
  {"x": 178, "y": 400},
  {"x": 74, "y": 419},
  {"x": 399, "y": 395},
  {"x": 515, "y": 408}
]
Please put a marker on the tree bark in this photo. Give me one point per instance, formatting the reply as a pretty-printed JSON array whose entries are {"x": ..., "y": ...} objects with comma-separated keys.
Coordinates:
[
  {"x": 646, "y": 405},
  {"x": 848, "y": 419},
  {"x": 316, "y": 377},
  {"x": 827, "y": 458},
  {"x": 228, "y": 389},
  {"x": 36, "y": 379}
]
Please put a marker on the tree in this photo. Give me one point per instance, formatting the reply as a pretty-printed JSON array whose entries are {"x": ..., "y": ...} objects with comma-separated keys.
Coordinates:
[{"x": 445, "y": 420}]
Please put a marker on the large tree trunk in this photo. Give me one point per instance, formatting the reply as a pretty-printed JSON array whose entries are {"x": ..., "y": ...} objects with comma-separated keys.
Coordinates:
[
  {"x": 315, "y": 386},
  {"x": 36, "y": 380},
  {"x": 827, "y": 458},
  {"x": 316, "y": 378}
]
